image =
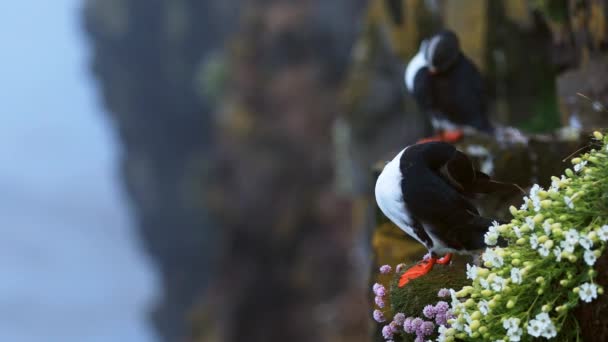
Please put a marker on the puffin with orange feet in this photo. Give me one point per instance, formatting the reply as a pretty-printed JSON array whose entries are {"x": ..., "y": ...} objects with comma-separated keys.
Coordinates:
[
  {"x": 426, "y": 190},
  {"x": 448, "y": 87}
]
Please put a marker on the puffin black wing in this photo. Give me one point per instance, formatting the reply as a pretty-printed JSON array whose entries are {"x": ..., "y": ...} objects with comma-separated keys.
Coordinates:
[
  {"x": 443, "y": 210},
  {"x": 460, "y": 172}
]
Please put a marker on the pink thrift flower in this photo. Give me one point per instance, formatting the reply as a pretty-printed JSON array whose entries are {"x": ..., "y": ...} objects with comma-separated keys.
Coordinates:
[
  {"x": 443, "y": 293},
  {"x": 387, "y": 332},
  {"x": 419, "y": 339},
  {"x": 380, "y": 291},
  {"x": 379, "y": 302},
  {"x": 385, "y": 269},
  {"x": 425, "y": 329},
  {"x": 407, "y": 325},
  {"x": 379, "y": 316},
  {"x": 441, "y": 319},
  {"x": 429, "y": 311},
  {"x": 442, "y": 307},
  {"x": 416, "y": 323},
  {"x": 399, "y": 318},
  {"x": 399, "y": 268}
]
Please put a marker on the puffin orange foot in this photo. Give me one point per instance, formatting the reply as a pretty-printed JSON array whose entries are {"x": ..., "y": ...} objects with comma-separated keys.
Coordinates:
[
  {"x": 452, "y": 136},
  {"x": 445, "y": 259},
  {"x": 430, "y": 139},
  {"x": 417, "y": 271}
]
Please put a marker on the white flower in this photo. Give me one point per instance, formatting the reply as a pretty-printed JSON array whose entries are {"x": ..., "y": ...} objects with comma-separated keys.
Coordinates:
[
  {"x": 588, "y": 292},
  {"x": 484, "y": 283},
  {"x": 572, "y": 236},
  {"x": 442, "y": 329},
  {"x": 534, "y": 241},
  {"x": 543, "y": 319},
  {"x": 510, "y": 323},
  {"x": 534, "y": 328},
  {"x": 555, "y": 184},
  {"x": 491, "y": 256},
  {"x": 590, "y": 258},
  {"x": 471, "y": 272},
  {"x": 569, "y": 202},
  {"x": 585, "y": 242},
  {"x": 484, "y": 308},
  {"x": 517, "y": 231},
  {"x": 458, "y": 326},
  {"x": 515, "y": 334},
  {"x": 547, "y": 228},
  {"x": 534, "y": 191},
  {"x": 516, "y": 276},
  {"x": 550, "y": 332},
  {"x": 567, "y": 246},
  {"x": 524, "y": 206},
  {"x": 490, "y": 239},
  {"x": 498, "y": 283},
  {"x": 530, "y": 222},
  {"x": 558, "y": 254},
  {"x": 602, "y": 233},
  {"x": 455, "y": 300},
  {"x": 543, "y": 251},
  {"x": 578, "y": 167},
  {"x": 534, "y": 197}
]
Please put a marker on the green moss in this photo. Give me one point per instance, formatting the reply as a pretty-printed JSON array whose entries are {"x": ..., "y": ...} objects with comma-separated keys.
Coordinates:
[{"x": 418, "y": 293}]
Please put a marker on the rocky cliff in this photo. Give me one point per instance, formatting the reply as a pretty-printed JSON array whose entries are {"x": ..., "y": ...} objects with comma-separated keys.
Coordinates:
[{"x": 146, "y": 56}]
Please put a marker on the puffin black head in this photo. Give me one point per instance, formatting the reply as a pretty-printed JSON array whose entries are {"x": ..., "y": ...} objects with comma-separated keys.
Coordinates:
[{"x": 442, "y": 51}]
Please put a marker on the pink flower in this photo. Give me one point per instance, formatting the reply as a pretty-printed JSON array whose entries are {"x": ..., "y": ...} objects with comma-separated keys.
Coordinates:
[
  {"x": 425, "y": 329},
  {"x": 379, "y": 316},
  {"x": 416, "y": 323},
  {"x": 399, "y": 268},
  {"x": 442, "y": 307},
  {"x": 379, "y": 302},
  {"x": 407, "y": 325},
  {"x": 399, "y": 318},
  {"x": 429, "y": 311},
  {"x": 385, "y": 269},
  {"x": 380, "y": 291},
  {"x": 443, "y": 293},
  {"x": 387, "y": 332}
]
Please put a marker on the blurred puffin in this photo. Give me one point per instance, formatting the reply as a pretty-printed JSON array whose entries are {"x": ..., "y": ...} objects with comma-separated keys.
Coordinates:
[
  {"x": 426, "y": 190},
  {"x": 448, "y": 87}
]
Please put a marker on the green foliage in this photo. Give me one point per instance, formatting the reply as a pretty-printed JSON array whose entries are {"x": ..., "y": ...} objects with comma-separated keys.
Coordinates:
[{"x": 530, "y": 288}]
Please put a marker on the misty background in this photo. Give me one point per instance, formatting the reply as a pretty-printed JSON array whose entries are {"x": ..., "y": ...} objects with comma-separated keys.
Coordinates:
[
  {"x": 72, "y": 266},
  {"x": 187, "y": 170}
]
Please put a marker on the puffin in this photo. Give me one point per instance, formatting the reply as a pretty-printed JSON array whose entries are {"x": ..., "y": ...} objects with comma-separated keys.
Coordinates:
[
  {"x": 448, "y": 87},
  {"x": 427, "y": 191}
]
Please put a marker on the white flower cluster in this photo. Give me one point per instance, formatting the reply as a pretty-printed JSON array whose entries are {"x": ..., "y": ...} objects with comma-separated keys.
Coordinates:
[
  {"x": 514, "y": 332},
  {"x": 552, "y": 237},
  {"x": 542, "y": 325}
]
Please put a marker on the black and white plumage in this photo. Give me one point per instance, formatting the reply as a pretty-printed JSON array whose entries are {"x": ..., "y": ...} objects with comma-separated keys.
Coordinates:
[
  {"x": 447, "y": 85},
  {"x": 426, "y": 190}
]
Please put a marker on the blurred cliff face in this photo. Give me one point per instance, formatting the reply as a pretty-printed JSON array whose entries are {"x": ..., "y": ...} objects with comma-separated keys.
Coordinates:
[
  {"x": 146, "y": 56},
  {"x": 263, "y": 141},
  {"x": 287, "y": 253}
]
